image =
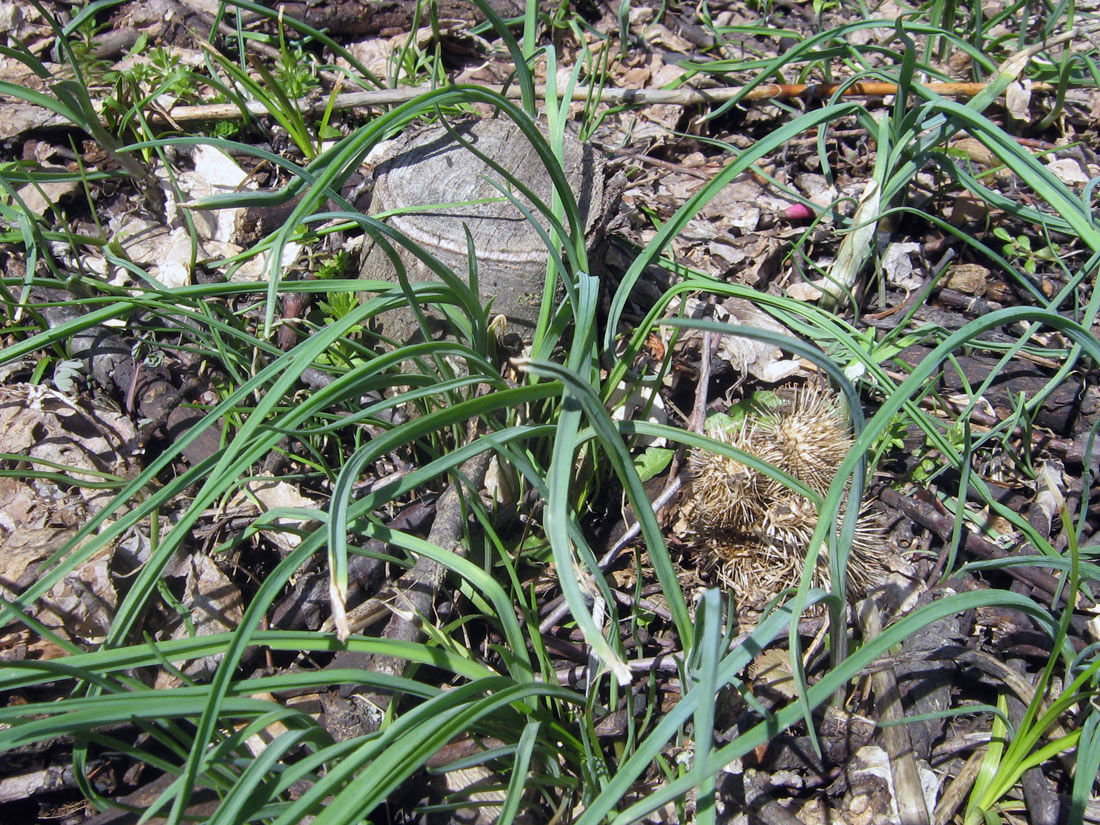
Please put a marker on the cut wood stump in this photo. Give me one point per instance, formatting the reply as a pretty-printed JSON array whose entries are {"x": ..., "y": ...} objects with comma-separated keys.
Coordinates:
[{"x": 432, "y": 188}]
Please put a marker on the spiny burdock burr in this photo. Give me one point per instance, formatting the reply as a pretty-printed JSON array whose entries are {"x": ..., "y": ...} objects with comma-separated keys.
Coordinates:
[
  {"x": 754, "y": 530},
  {"x": 728, "y": 495},
  {"x": 808, "y": 439}
]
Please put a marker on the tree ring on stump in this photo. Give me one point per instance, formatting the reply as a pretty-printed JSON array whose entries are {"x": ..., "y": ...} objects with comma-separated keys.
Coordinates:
[{"x": 436, "y": 188}]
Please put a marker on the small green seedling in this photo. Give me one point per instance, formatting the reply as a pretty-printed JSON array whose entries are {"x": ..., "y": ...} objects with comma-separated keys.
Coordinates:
[{"x": 1018, "y": 247}]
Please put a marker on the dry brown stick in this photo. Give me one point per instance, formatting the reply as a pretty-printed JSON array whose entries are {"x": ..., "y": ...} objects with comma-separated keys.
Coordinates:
[
  {"x": 415, "y": 599},
  {"x": 1042, "y": 803},
  {"x": 908, "y": 793},
  {"x": 49, "y": 779},
  {"x": 204, "y": 804},
  {"x": 413, "y": 595},
  {"x": 611, "y": 96},
  {"x": 954, "y": 795},
  {"x": 926, "y": 515},
  {"x": 179, "y": 115}
]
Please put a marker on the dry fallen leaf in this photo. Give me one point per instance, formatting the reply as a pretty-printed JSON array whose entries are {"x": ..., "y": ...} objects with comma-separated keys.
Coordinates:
[
  {"x": 1068, "y": 171},
  {"x": 761, "y": 360},
  {"x": 39, "y": 422},
  {"x": 804, "y": 291},
  {"x": 215, "y": 606},
  {"x": 165, "y": 253},
  {"x": 1018, "y": 100},
  {"x": 771, "y": 672},
  {"x": 214, "y": 173},
  {"x": 40, "y": 197},
  {"x": 758, "y": 358},
  {"x": 39, "y": 516},
  {"x": 273, "y": 495},
  {"x": 80, "y": 606},
  {"x": 660, "y": 35},
  {"x": 897, "y": 264}
]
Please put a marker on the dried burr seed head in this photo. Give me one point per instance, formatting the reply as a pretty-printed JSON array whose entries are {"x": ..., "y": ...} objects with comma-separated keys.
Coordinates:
[
  {"x": 726, "y": 493},
  {"x": 809, "y": 439},
  {"x": 789, "y": 519},
  {"x": 756, "y": 530}
]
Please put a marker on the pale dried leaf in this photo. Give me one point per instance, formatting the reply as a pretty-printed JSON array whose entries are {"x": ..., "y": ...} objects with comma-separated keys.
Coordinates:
[
  {"x": 375, "y": 53},
  {"x": 817, "y": 189},
  {"x": 214, "y": 173},
  {"x": 39, "y": 516},
  {"x": 736, "y": 204},
  {"x": 969, "y": 210},
  {"x": 11, "y": 17},
  {"x": 897, "y": 264},
  {"x": 976, "y": 151},
  {"x": 41, "y": 423},
  {"x": 17, "y": 118},
  {"x": 731, "y": 255},
  {"x": 40, "y": 197},
  {"x": 759, "y": 359},
  {"x": 1018, "y": 99},
  {"x": 28, "y": 547},
  {"x": 771, "y": 672},
  {"x": 273, "y": 495},
  {"x": 635, "y": 78},
  {"x": 257, "y": 268},
  {"x": 166, "y": 253},
  {"x": 660, "y": 35},
  {"x": 215, "y": 606},
  {"x": 804, "y": 291},
  {"x": 1068, "y": 171},
  {"x": 665, "y": 74},
  {"x": 82, "y": 605},
  {"x": 20, "y": 510}
]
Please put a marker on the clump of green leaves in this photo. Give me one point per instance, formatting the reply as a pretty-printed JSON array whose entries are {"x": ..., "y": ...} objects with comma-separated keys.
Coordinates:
[
  {"x": 1018, "y": 248},
  {"x": 296, "y": 69},
  {"x": 1039, "y": 736},
  {"x": 931, "y": 462},
  {"x": 338, "y": 305},
  {"x": 164, "y": 71},
  {"x": 82, "y": 44}
]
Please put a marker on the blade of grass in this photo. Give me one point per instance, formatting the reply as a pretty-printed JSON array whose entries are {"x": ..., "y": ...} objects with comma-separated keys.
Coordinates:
[{"x": 617, "y": 453}]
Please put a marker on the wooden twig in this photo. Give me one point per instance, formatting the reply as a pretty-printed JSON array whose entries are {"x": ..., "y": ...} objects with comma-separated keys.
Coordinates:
[
  {"x": 608, "y": 95},
  {"x": 411, "y": 599},
  {"x": 925, "y": 515},
  {"x": 908, "y": 793}
]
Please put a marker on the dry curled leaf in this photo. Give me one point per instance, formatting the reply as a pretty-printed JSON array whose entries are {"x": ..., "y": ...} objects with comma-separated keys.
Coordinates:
[
  {"x": 758, "y": 358},
  {"x": 215, "y": 606}
]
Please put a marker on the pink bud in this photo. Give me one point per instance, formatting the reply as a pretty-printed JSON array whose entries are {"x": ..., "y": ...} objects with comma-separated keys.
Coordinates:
[{"x": 798, "y": 212}]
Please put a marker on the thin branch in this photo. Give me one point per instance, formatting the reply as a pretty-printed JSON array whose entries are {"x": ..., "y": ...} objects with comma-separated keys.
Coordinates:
[{"x": 612, "y": 96}]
